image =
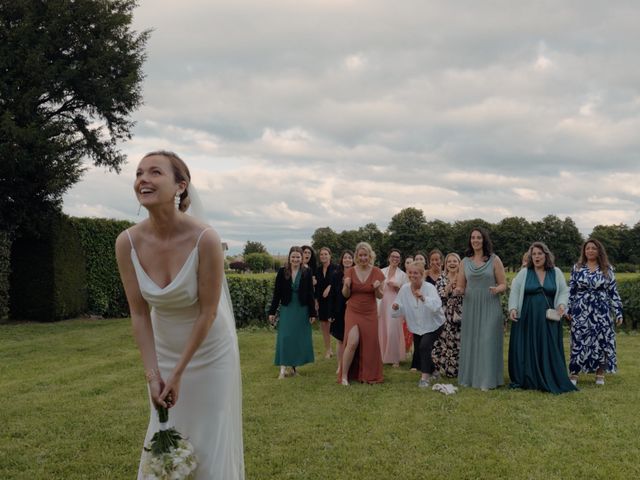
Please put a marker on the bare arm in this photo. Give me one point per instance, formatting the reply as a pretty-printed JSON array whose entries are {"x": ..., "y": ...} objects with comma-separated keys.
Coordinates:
[
  {"x": 140, "y": 318},
  {"x": 210, "y": 274},
  {"x": 461, "y": 281},
  {"x": 501, "y": 277}
]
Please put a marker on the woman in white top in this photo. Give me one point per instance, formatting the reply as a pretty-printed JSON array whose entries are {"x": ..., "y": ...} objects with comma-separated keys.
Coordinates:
[{"x": 420, "y": 304}]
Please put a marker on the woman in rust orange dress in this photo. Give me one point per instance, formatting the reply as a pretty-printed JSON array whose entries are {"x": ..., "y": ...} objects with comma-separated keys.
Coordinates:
[{"x": 362, "y": 284}]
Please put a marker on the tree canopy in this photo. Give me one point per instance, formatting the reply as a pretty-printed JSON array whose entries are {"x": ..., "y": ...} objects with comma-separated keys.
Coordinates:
[
  {"x": 410, "y": 232},
  {"x": 254, "y": 247},
  {"x": 71, "y": 74}
]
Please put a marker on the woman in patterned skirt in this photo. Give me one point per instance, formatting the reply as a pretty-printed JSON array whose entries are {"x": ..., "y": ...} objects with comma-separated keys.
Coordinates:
[{"x": 593, "y": 293}]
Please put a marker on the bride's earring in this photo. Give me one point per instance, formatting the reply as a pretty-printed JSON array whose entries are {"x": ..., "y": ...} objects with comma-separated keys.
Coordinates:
[{"x": 177, "y": 200}]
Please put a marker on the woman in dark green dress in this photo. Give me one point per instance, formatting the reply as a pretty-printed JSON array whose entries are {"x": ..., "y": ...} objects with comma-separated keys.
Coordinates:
[
  {"x": 293, "y": 292},
  {"x": 536, "y": 351}
]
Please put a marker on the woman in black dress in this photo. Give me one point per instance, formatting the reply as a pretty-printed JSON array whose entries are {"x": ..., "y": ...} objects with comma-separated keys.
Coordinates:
[
  {"x": 324, "y": 274},
  {"x": 338, "y": 304}
]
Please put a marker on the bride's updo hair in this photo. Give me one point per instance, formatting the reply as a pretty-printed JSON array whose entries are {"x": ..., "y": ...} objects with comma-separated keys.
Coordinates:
[{"x": 180, "y": 173}]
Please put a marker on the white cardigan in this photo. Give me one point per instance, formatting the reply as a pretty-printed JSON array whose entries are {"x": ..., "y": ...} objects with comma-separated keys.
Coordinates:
[{"x": 516, "y": 296}]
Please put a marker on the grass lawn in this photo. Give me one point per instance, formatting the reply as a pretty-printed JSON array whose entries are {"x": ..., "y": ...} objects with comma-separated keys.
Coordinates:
[{"x": 76, "y": 408}]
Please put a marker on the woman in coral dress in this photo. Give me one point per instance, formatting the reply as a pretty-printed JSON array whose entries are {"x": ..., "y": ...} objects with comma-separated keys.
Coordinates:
[{"x": 362, "y": 284}]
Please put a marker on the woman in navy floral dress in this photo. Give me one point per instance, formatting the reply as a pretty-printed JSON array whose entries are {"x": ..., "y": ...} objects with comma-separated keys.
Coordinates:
[{"x": 593, "y": 295}]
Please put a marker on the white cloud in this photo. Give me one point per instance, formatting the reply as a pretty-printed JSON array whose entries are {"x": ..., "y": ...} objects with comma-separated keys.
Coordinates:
[{"x": 295, "y": 115}]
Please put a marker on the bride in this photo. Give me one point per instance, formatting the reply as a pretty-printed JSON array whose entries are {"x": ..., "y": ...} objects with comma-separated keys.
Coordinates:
[{"x": 174, "y": 264}]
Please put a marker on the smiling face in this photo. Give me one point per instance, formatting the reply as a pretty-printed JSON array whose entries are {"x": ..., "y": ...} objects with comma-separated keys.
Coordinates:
[
  {"x": 591, "y": 251},
  {"x": 347, "y": 261},
  {"x": 416, "y": 275},
  {"x": 155, "y": 182},
  {"x": 420, "y": 258},
  {"x": 452, "y": 264},
  {"x": 394, "y": 259},
  {"x": 363, "y": 257},
  {"x": 538, "y": 257},
  {"x": 476, "y": 240},
  {"x": 325, "y": 257},
  {"x": 295, "y": 259}
]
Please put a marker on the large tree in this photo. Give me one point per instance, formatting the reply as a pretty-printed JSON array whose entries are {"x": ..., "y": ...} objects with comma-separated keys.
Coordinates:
[{"x": 71, "y": 74}]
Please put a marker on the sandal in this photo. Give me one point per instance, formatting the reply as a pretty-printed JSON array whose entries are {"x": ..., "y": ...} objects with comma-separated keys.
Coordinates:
[
  {"x": 599, "y": 379},
  {"x": 573, "y": 379}
]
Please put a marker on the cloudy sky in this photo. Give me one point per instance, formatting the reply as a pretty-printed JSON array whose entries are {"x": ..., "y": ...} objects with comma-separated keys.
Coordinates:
[{"x": 294, "y": 115}]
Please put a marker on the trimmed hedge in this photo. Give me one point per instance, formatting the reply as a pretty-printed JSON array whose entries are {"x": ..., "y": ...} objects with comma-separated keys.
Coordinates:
[
  {"x": 251, "y": 297},
  {"x": 48, "y": 280},
  {"x": 5, "y": 268},
  {"x": 98, "y": 237}
]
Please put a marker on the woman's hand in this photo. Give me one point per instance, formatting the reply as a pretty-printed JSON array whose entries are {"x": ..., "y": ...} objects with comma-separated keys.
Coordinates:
[
  {"x": 272, "y": 320},
  {"x": 377, "y": 284},
  {"x": 325, "y": 294},
  {"x": 458, "y": 291},
  {"x": 513, "y": 315},
  {"x": 493, "y": 290},
  {"x": 156, "y": 386},
  {"x": 560, "y": 310},
  {"x": 171, "y": 390},
  {"x": 619, "y": 321},
  {"x": 346, "y": 281},
  {"x": 312, "y": 320},
  {"x": 395, "y": 306}
]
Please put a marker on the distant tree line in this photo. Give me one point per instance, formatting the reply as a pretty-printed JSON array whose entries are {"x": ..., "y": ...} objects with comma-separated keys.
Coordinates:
[{"x": 410, "y": 232}]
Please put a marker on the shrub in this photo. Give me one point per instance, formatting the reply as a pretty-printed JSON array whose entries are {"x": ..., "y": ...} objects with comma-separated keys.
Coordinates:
[
  {"x": 48, "y": 280},
  {"x": 258, "y": 262},
  {"x": 626, "y": 268},
  {"x": 5, "y": 268},
  {"x": 630, "y": 293},
  {"x": 238, "y": 266},
  {"x": 106, "y": 296},
  {"x": 250, "y": 296}
]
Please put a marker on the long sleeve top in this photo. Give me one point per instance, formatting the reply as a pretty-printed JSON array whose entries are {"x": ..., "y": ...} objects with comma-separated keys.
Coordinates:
[
  {"x": 283, "y": 291},
  {"x": 422, "y": 316},
  {"x": 516, "y": 295},
  {"x": 599, "y": 286}
]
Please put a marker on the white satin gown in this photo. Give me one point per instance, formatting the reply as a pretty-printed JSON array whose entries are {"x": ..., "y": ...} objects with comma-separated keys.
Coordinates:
[{"x": 209, "y": 407}]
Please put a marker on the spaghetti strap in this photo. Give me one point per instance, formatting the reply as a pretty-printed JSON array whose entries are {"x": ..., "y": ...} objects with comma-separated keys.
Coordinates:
[
  {"x": 130, "y": 240},
  {"x": 200, "y": 236}
]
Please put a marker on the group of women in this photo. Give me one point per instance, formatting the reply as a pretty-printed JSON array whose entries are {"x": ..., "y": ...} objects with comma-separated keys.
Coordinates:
[
  {"x": 172, "y": 270},
  {"x": 449, "y": 309}
]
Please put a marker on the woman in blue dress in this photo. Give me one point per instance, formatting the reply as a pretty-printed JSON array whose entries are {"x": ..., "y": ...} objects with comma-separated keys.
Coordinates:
[
  {"x": 593, "y": 294},
  {"x": 536, "y": 350},
  {"x": 293, "y": 292}
]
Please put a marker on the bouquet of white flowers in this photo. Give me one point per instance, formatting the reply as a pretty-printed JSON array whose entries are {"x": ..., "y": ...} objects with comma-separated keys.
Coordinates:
[{"x": 169, "y": 456}]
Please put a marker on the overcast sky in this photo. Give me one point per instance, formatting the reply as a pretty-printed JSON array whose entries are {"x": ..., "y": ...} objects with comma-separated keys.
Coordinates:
[{"x": 294, "y": 115}]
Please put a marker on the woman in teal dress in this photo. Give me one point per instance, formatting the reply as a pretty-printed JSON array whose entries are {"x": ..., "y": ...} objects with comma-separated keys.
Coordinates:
[
  {"x": 293, "y": 292},
  {"x": 481, "y": 281},
  {"x": 536, "y": 351}
]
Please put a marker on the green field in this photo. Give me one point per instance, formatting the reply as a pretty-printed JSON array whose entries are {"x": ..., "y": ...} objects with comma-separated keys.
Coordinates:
[{"x": 76, "y": 408}]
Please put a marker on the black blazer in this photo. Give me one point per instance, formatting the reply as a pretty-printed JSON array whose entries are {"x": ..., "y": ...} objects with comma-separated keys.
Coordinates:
[
  {"x": 324, "y": 280},
  {"x": 282, "y": 291}
]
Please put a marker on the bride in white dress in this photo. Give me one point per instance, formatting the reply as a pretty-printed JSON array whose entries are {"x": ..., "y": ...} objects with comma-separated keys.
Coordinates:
[{"x": 174, "y": 264}]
